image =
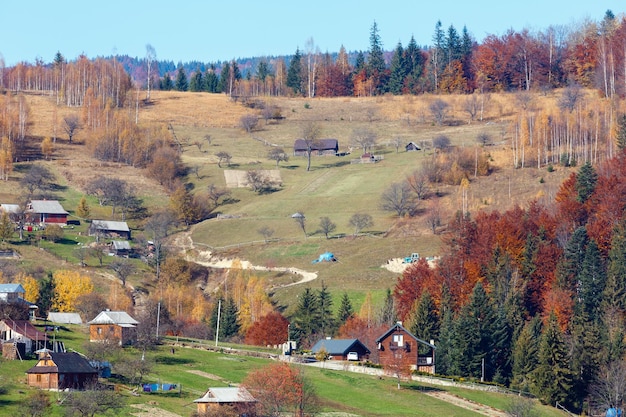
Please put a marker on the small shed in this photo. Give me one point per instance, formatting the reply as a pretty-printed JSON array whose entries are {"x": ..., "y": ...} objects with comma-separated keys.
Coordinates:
[
  {"x": 109, "y": 228},
  {"x": 412, "y": 146},
  {"x": 342, "y": 349},
  {"x": 120, "y": 248},
  {"x": 61, "y": 370},
  {"x": 116, "y": 326},
  {"x": 237, "y": 397}
]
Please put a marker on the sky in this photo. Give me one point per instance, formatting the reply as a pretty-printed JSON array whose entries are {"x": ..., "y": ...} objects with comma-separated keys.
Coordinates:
[{"x": 212, "y": 31}]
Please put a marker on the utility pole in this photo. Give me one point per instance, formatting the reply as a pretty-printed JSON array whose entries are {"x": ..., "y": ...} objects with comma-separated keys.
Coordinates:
[{"x": 219, "y": 311}]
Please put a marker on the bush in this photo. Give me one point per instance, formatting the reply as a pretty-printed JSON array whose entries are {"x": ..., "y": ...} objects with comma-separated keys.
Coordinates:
[{"x": 53, "y": 233}]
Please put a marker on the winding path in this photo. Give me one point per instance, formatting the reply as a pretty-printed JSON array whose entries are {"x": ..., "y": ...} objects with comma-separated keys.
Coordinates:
[{"x": 191, "y": 253}]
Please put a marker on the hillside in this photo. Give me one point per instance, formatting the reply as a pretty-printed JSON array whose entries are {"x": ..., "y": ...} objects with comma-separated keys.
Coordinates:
[{"x": 333, "y": 187}]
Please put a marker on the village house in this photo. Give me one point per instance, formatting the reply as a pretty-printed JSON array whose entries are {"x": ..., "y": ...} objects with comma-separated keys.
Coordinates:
[
  {"x": 318, "y": 147},
  {"x": 23, "y": 335},
  {"x": 412, "y": 146},
  {"x": 398, "y": 345},
  {"x": 61, "y": 370},
  {"x": 14, "y": 293},
  {"x": 117, "y": 326},
  {"x": 44, "y": 212},
  {"x": 342, "y": 349},
  {"x": 237, "y": 397},
  {"x": 120, "y": 248},
  {"x": 109, "y": 228}
]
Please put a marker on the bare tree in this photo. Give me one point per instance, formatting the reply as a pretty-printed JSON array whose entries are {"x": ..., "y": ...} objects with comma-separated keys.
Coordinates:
[
  {"x": 260, "y": 182},
  {"x": 38, "y": 178},
  {"x": 439, "y": 110},
  {"x": 300, "y": 221},
  {"x": 434, "y": 215},
  {"x": 364, "y": 138},
  {"x": 81, "y": 254},
  {"x": 310, "y": 132},
  {"x": 248, "y": 122},
  {"x": 441, "y": 142},
  {"x": 471, "y": 106},
  {"x": 572, "y": 95},
  {"x": 418, "y": 183},
  {"x": 71, "y": 124},
  {"x": 360, "y": 221},
  {"x": 397, "y": 198},
  {"x": 157, "y": 228},
  {"x": 92, "y": 402},
  {"x": 215, "y": 194},
  {"x": 123, "y": 268},
  {"x": 524, "y": 99},
  {"x": 327, "y": 226},
  {"x": 266, "y": 232},
  {"x": 150, "y": 58},
  {"x": 610, "y": 386},
  {"x": 483, "y": 139},
  {"x": 397, "y": 141},
  {"x": 223, "y": 156},
  {"x": 278, "y": 155}
]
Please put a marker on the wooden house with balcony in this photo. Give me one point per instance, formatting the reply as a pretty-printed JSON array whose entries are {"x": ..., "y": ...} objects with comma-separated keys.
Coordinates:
[{"x": 399, "y": 345}]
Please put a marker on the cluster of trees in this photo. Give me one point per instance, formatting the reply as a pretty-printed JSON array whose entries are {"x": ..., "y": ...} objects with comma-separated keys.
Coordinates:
[{"x": 535, "y": 294}]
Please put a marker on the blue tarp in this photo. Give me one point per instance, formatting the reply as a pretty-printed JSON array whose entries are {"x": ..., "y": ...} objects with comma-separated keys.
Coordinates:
[{"x": 325, "y": 257}]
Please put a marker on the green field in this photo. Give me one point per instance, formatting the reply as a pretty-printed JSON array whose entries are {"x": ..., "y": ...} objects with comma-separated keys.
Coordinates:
[{"x": 194, "y": 370}]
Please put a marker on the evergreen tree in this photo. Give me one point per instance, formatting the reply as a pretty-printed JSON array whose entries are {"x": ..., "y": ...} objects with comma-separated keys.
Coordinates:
[
  {"x": 197, "y": 82},
  {"x": 166, "y": 83},
  {"x": 359, "y": 63},
  {"x": 591, "y": 283},
  {"x": 453, "y": 45},
  {"x": 500, "y": 359},
  {"x": 552, "y": 379},
  {"x": 437, "y": 54},
  {"x": 414, "y": 66},
  {"x": 466, "y": 53},
  {"x": 376, "y": 59},
  {"x": 306, "y": 318},
  {"x": 614, "y": 296},
  {"x": 211, "y": 80},
  {"x": 589, "y": 353},
  {"x": 181, "y": 80},
  {"x": 387, "y": 315},
  {"x": 263, "y": 70},
  {"x": 325, "y": 303},
  {"x": 473, "y": 338},
  {"x": 222, "y": 85},
  {"x": 398, "y": 71},
  {"x": 571, "y": 262},
  {"x": 294, "y": 74},
  {"x": 444, "y": 351},
  {"x": 346, "y": 310},
  {"x": 525, "y": 355},
  {"x": 229, "y": 326},
  {"x": 586, "y": 180},
  {"x": 46, "y": 294},
  {"x": 423, "y": 322}
]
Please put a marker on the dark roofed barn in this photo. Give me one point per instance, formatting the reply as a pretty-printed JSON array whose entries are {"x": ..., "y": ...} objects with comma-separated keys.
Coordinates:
[
  {"x": 61, "y": 370},
  {"x": 318, "y": 147}
]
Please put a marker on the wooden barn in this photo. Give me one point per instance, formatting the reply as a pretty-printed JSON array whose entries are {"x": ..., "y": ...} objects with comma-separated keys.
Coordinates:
[
  {"x": 44, "y": 212},
  {"x": 116, "y": 326},
  {"x": 398, "y": 345},
  {"x": 61, "y": 370},
  {"x": 108, "y": 228},
  {"x": 318, "y": 147},
  {"x": 236, "y": 397}
]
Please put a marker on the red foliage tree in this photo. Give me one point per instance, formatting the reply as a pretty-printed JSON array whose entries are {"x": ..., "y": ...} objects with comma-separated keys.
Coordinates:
[
  {"x": 415, "y": 279},
  {"x": 271, "y": 329}
]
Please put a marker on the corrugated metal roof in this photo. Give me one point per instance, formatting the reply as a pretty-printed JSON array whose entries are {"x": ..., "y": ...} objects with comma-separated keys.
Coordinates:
[
  {"x": 110, "y": 225},
  {"x": 121, "y": 245},
  {"x": 337, "y": 346},
  {"x": 47, "y": 207},
  {"x": 12, "y": 288},
  {"x": 226, "y": 395},
  {"x": 65, "y": 318},
  {"x": 114, "y": 317}
]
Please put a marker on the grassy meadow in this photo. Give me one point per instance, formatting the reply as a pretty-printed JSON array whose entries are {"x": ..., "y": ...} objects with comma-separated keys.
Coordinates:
[{"x": 194, "y": 370}]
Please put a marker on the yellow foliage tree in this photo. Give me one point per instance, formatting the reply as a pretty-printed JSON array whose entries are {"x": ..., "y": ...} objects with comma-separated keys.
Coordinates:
[
  {"x": 6, "y": 158},
  {"x": 119, "y": 298},
  {"x": 68, "y": 286},
  {"x": 31, "y": 286},
  {"x": 47, "y": 147},
  {"x": 256, "y": 303}
]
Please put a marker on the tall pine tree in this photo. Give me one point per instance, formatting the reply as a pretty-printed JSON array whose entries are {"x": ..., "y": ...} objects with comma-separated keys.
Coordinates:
[{"x": 294, "y": 74}]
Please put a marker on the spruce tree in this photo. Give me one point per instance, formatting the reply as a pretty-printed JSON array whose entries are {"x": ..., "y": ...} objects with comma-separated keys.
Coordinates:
[
  {"x": 591, "y": 283},
  {"x": 569, "y": 266},
  {"x": 229, "y": 324},
  {"x": 499, "y": 359},
  {"x": 553, "y": 379},
  {"x": 444, "y": 344},
  {"x": 423, "y": 322},
  {"x": 398, "y": 71},
  {"x": 222, "y": 85},
  {"x": 306, "y": 318},
  {"x": 346, "y": 310},
  {"x": 197, "y": 82},
  {"x": 166, "y": 83},
  {"x": 181, "y": 80},
  {"x": 525, "y": 355},
  {"x": 414, "y": 66},
  {"x": 325, "y": 303},
  {"x": 586, "y": 180},
  {"x": 359, "y": 62},
  {"x": 387, "y": 314},
  {"x": 210, "y": 80},
  {"x": 376, "y": 60},
  {"x": 294, "y": 74}
]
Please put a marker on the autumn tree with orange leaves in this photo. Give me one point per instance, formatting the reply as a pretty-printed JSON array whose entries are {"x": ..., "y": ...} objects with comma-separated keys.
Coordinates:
[{"x": 281, "y": 389}]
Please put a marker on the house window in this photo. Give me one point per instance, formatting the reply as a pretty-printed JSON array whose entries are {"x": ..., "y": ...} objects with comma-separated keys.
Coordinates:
[
  {"x": 99, "y": 330},
  {"x": 38, "y": 378},
  {"x": 398, "y": 339}
]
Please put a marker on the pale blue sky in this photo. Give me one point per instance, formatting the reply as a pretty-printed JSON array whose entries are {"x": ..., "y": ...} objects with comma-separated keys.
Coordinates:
[{"x": 210, "y": 31}]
